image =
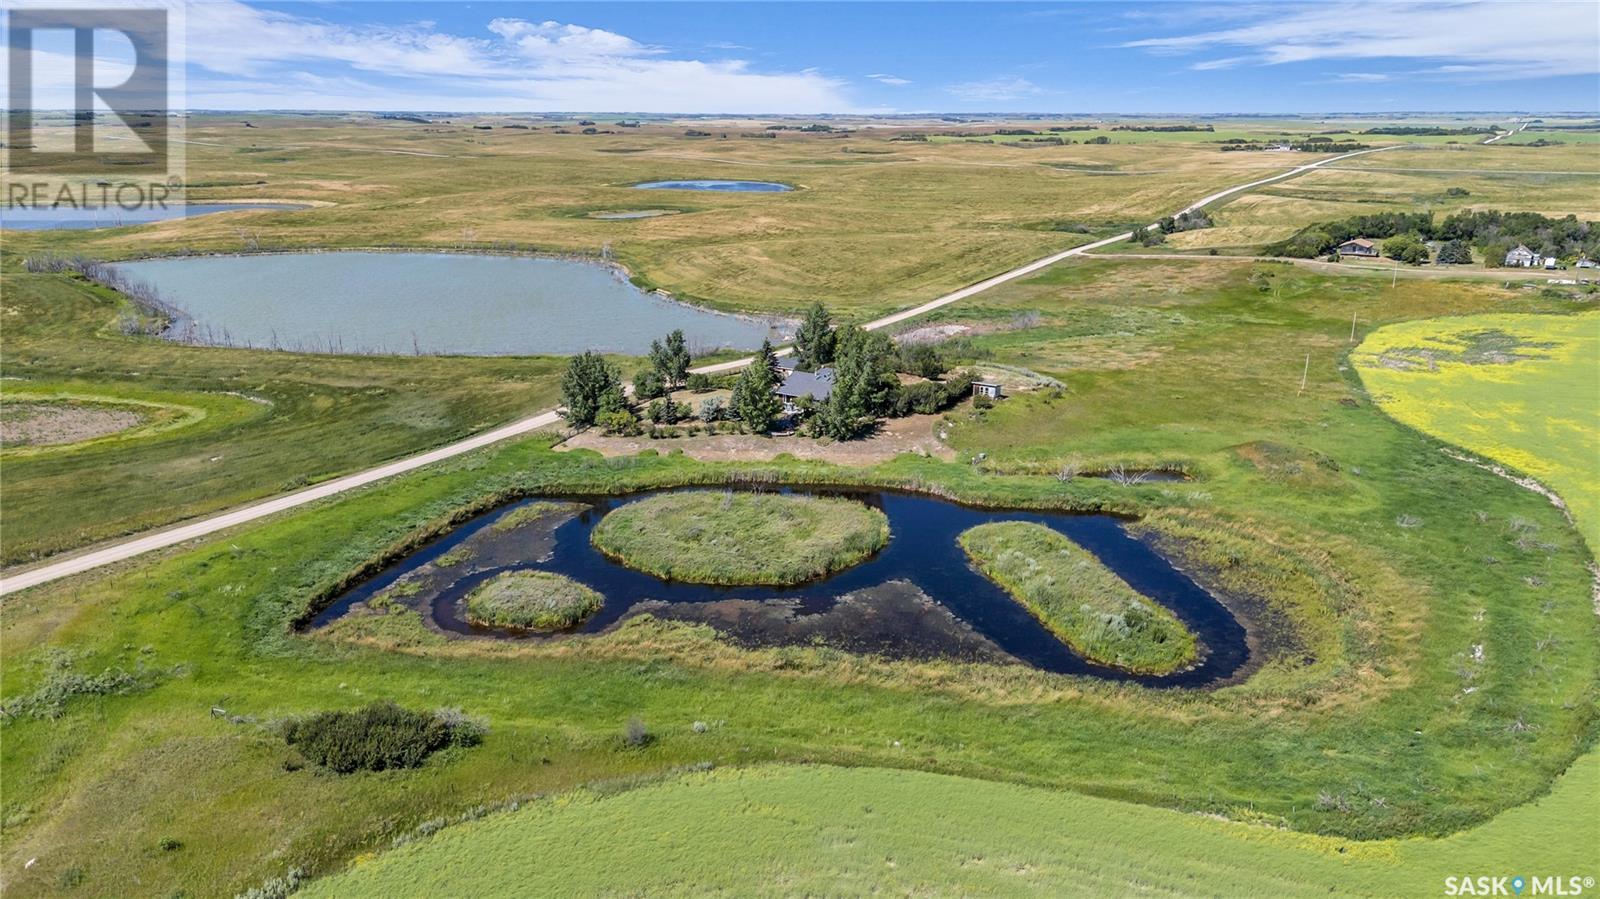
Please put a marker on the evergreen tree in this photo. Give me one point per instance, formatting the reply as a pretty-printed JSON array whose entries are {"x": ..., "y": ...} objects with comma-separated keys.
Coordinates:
[
  {"x": 676, "y": 360},
  {"x": 1455, "y": 252},
  {"x": 815, "y": 341},
  {"x": 588, "y": 386},
  {"x": 863, "y": 385},
  {"x": 754, "y": 401}
]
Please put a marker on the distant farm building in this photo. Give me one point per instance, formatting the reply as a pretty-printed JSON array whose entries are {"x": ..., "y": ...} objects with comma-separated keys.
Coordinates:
[
  {"x": 986, "y": 388},
  {"x": 1585, "y": 262},
  {"x": 1522, "y": 257},
  {"x": 1358, "y": 247}
]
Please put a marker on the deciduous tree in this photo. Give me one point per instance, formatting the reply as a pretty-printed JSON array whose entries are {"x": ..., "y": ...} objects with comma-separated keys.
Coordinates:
[{"x": 588, "y": 386}]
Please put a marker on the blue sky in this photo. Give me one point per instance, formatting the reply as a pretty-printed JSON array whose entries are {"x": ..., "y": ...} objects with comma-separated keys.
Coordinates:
[{"x": 778, "y": 57}]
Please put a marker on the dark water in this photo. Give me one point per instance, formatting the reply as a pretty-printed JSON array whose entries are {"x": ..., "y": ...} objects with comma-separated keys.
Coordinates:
[
  {"x": 80, "y": 218},
  {"x": 737, "y": 186},
  {"x": 922, "y": 550}
]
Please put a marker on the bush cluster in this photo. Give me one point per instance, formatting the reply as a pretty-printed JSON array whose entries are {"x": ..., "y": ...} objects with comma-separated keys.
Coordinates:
[{"x": 379, "y": 736}]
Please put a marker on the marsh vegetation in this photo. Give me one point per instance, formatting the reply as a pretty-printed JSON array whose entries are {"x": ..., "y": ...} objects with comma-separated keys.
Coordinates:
[
  {"x": 707, "y": 537},
  {"x": 1078, "y": 598}
]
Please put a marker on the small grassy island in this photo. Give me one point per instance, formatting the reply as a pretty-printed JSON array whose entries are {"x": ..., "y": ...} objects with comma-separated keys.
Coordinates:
[
  {"x": 1079, "y": 599},
  {"x": 742, "y": 539},
  {"x": 534, "y": 600}
]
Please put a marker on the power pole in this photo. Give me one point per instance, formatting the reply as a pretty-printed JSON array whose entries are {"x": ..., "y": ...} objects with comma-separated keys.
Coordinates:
[
  {"x": 1352, "y": 327},
  {"x": 1305, "y": 374}
]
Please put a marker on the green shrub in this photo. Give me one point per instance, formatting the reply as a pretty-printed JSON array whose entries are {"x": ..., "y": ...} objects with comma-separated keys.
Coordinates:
[
  {"x": 377, "y": 737},
  {"x": 536, "y": 600}
]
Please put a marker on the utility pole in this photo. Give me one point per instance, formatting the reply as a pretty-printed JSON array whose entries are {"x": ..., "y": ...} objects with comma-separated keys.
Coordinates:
[
  {"x": 1305, "y": 374},
  {"x": 1352, "y": 327}
]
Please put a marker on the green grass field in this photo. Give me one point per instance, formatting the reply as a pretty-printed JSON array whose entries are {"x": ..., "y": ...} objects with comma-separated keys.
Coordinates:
[
  {"x": 806, "y": 831},
  {"x": 1306, "y": 487}
]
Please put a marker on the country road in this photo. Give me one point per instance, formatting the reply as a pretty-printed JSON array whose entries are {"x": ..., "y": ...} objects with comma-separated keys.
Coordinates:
[{"x": 135, "y": 546}]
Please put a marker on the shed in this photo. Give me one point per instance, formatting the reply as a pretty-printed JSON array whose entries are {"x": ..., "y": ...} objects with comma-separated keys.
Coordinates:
[{"x": 986, "y": 388}]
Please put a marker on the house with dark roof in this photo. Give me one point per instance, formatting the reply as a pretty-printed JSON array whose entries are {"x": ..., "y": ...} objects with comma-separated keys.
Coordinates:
[
  {"x": 1360, "y": 246},
  {"x": 798, "y": 385}
]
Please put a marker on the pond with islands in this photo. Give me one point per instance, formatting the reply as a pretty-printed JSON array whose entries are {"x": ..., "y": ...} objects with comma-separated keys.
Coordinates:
[
  {"x": 759, "y": 187},
  {"x": 83, "y": 218},
  {"x": 446, "y": 303},
  {"x": 917, "y": 598}
]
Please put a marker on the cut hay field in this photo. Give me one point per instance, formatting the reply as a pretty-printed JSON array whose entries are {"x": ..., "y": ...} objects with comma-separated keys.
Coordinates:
[{"x": 874, "y": 224}]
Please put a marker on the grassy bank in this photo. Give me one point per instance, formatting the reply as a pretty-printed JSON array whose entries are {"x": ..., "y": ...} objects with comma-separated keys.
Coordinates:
[
  {"x": 741, "y": 538},
  {"x": 1078, "y": 598},
  {"x": 252, "y": 423},
  {"x": 532, "y": 600}
]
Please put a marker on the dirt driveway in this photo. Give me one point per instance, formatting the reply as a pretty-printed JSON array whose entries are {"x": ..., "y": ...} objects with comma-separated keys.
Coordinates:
[{"x": 912, "y": 434}]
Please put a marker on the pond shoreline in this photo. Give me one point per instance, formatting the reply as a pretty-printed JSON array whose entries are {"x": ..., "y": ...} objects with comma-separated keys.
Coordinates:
[{"x": 1227, "y": 658}]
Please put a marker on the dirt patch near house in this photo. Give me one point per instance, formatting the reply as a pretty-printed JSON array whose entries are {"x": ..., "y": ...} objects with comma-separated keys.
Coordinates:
[
  {"x": 58, "y": 424},
  {"x": 912, "y": 434}
]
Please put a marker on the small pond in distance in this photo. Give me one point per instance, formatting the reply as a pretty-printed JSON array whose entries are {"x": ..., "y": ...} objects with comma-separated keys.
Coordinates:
[
  {"x": 711, "y": 184},
  {"x": 81, "y": 218},
  {"x": 453, "y": 303},
  {"x": 916, "y": 598}
]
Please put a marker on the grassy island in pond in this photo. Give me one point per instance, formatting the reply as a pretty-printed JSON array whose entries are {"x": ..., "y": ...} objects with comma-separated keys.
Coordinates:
[
  {"x": 1079, "y": 599},
  {"x": 741, "y": 538},
  {"x": 534, "y": 600}
]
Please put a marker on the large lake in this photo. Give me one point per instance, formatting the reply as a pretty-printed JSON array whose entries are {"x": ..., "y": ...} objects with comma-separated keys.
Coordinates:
[
  {"x": 83, "y": 218},
  {"x": 427, "y": 302}
]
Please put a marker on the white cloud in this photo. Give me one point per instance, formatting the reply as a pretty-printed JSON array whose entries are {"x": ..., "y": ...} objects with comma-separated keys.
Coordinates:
[
  {"x": 1471, "y": 40},
  {"x": 555, "y": 41},
  {"x": 244, "y": 57},
  {"x": 997, "y": 90},
  {"x": 889, "y": 79}
]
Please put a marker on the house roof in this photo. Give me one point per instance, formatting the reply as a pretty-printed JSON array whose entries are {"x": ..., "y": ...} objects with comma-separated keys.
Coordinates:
[
  {"x": 787, "y": 363},
  {"x": 1359, "y": 241},
  {"x": 1519, "y": 248},
  {"x": 818, "y": 384}
]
